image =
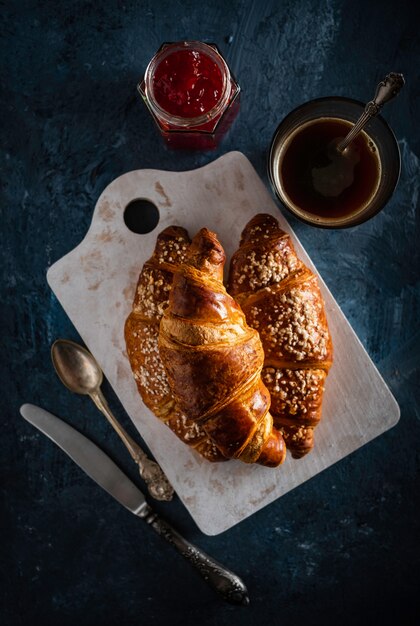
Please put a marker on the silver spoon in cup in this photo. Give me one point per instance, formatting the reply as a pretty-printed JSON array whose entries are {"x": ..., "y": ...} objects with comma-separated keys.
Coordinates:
[
  {"x": 78, "y": 371},
  {"x": 386, "y": 90},
  {"x": 342, "y": 157}
]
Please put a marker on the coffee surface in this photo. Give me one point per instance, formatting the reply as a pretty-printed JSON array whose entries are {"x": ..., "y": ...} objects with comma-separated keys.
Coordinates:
[{"x": 322, "y": 181}]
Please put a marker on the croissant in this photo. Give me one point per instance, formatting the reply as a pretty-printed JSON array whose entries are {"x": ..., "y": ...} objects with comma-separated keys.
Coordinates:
[
  {"x": 213, "y": 359},
  {"x": 141, "y": 337},
  {"x": 281, "y": 299}
]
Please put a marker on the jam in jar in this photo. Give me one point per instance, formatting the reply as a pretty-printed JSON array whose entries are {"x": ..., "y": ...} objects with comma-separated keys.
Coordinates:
[{"x": 191, "y": 94}]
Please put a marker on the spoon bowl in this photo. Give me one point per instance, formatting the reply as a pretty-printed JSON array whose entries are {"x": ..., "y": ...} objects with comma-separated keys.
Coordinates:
[{"x": 76, "y": 367}]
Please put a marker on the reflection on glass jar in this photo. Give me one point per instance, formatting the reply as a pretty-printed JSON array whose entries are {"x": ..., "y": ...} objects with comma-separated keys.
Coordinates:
[{"x": 191, "y": 94}]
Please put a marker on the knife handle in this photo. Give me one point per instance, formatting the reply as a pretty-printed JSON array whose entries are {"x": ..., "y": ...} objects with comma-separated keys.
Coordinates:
[{"x": 225, "y": 582}]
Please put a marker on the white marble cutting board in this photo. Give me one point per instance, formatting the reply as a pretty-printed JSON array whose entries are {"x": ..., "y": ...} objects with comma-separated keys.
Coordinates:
[{"x": 95, "y": 284}]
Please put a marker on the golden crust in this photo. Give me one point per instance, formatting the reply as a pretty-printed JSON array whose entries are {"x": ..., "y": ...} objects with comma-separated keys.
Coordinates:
[
  {"x": 281, "y": 299},
  {"x": 213, "y": 359},
  {"x": 141, "y": 336}
]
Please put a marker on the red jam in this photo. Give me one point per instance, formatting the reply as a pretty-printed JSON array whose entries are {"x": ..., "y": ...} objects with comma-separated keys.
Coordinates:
[
  {"x": 187, "y": 83},
  {"x": 191, "y": 94}
]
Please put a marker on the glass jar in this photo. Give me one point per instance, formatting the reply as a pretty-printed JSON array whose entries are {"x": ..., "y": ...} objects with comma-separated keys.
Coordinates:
[{"x": 191, "y": 94}]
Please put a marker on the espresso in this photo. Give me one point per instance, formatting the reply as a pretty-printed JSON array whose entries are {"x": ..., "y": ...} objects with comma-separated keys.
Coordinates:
[{"x": 318, "y": 179}]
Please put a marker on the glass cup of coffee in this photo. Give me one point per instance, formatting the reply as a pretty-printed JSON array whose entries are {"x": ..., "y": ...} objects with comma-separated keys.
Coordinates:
[{"x": 321, "y": 185}]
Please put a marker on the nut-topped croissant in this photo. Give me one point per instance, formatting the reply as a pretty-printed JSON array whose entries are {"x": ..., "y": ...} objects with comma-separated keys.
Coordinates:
[
  {"x": 213, "y": 359},
  {"x": 280, "y": 297},
  {"x": 141, "y": 336}
]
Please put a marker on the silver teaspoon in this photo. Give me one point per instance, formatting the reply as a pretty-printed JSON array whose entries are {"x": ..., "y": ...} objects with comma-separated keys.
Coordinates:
[
  {"x": 385, "y": 91},
  {"x": 78, "y": 371}
]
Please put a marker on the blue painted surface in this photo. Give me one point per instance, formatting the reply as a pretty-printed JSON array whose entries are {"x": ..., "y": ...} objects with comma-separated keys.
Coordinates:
[{"x": 342, "y": 548}]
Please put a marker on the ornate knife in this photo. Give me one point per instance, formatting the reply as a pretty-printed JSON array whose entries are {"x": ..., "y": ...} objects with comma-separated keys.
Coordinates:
[{"x": 107, "y": 475}]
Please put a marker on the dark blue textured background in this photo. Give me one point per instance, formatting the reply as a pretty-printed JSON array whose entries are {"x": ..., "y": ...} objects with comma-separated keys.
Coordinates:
[{"x": 344, "y": 547}]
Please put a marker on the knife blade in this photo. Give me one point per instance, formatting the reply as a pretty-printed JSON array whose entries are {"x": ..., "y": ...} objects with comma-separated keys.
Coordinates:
[{"x": 98, "y": 466}]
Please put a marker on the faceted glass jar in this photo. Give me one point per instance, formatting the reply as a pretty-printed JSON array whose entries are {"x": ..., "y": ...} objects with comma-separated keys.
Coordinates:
[{"x": 202, "y": 131}]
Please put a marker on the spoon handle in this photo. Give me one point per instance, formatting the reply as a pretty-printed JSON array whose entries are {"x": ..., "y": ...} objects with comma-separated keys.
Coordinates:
[
  {"x": 152, "y": 474},
  {"x": 385, "y": 91}
]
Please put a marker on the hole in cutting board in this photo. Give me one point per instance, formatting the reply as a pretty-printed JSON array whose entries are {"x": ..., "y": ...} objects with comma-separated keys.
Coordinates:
[{"x": 141, "y": 216}]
